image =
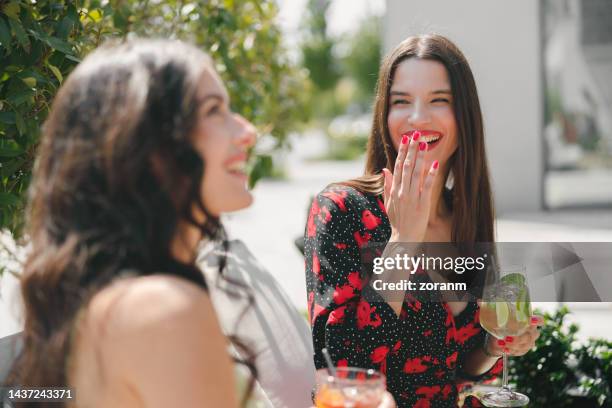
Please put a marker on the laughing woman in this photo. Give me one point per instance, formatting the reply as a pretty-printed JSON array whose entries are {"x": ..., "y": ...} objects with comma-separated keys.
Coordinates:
[
  {"x": 137, "y": 162},
  {"x": 427, "y": 128}
]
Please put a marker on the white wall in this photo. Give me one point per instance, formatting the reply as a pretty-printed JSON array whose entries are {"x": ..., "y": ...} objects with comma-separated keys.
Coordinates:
[{"x": 501, "y": 40}]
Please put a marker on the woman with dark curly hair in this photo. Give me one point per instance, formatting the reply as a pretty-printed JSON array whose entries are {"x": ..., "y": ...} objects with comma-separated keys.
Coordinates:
[{"x": 139, "y": 157}]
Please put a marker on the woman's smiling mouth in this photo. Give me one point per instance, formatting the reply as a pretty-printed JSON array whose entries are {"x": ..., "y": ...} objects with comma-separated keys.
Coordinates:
[
  {"x": 236, "y": 166},
  {"x": 431, "y": 137}
]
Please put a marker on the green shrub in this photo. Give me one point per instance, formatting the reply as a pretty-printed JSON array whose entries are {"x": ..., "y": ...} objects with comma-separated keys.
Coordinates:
[
  {"x": 41, "y": 42},
  {"x": 558, "y": 370}
]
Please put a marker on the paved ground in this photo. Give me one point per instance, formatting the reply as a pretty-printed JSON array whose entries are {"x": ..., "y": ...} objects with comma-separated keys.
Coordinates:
[{"x": 278, "y": 216}]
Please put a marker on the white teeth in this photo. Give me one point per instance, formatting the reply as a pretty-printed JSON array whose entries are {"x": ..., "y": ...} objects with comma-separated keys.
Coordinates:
[
  {"x": 430, "y": 138},
  {"x": 237, "y": 167}
]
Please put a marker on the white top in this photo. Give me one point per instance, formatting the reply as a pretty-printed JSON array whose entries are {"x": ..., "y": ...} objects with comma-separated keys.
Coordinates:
[{"x": 273, "y": 328}]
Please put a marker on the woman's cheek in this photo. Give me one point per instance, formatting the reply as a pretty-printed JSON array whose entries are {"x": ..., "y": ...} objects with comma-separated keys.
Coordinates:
[{"x": 394, "y": 121}]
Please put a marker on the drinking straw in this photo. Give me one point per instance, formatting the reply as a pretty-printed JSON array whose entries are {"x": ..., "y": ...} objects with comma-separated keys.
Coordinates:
[{"x": 330, "y": 365}]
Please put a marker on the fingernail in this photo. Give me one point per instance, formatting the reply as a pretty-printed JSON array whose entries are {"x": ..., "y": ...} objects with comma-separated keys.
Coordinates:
[
  {"x": 404, "y": 139},
  {"x": 435, "y": 165},
  {"x": 509, "y": 339},
  {"x": 535, "y": 320},
  {"x": 501, "y": 343},
  {"x": 422, "y": 146},
  {"x": 506, "y": 350},
  {"x": 415, "y": 136}
]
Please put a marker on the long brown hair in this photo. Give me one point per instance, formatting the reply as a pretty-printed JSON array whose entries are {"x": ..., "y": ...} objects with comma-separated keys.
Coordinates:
[
  {"x": 115, "y": 173},
  {"x": 470, "y": 200}
]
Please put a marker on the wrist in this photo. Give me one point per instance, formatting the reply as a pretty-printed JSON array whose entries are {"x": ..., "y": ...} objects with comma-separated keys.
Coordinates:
[{"x": 486, "y": 348}]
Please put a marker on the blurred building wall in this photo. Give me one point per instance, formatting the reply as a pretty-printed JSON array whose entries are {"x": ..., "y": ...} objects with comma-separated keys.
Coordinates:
[{"x": 502, "y": 42}]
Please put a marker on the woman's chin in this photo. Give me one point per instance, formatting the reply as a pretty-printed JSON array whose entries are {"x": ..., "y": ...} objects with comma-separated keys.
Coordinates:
[{"x": 234, "y": 202}]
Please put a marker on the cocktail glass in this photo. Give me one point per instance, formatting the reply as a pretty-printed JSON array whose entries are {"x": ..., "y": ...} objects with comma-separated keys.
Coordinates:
[
  {"x": 506, "y": 311},
  {"x": 351, "y": 388}
]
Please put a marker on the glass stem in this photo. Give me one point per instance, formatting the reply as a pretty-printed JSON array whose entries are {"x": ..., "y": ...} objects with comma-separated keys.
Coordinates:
[{"x": 505, "y": 372}]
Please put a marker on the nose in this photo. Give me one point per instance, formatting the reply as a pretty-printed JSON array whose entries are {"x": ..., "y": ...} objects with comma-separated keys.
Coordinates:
[
  {"x": 420, "y": 116},
  {"x": 247, "y": 133}
]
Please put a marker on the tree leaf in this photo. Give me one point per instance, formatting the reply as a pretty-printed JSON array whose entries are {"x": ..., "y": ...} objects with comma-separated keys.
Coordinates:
[
  {"x": 29, "y": 81},
  {"x": 53, "y": 42},
  {"x": 5, "y": 34},
  {"x": 20, "y": 96},
  {"x": 56, "y": 72},
  {"x": 10, "y": 151},
  {"x": 11, "y": 166},
  {"x": 11, "y": 9},
  {"x": 262, "y": 168},
  {"x": 64, "y": 28},
  {"x": 73, "y": 58},
  {"x": 21, "y": 35},
  {"x": 95, "y": 15},
  {"x": 19, "y": 122},
  {"x": 59, "y": 45},
  {"x": 7, "y": 117},
  {"x": 8, "y": 199}
]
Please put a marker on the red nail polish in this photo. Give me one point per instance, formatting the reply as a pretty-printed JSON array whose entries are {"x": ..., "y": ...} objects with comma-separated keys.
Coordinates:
[
  {"x": 535, "y": 320},
  {"x": 506, "y": 350},
  {"x": 435, "y": 165},
  {"x": 404, "y": 139},
  {"x": 422, "y": 146},
  {"x": 501, "y": 343},
  {"x": 415, "y": 136},
  {"x": 509, "y": 339}
]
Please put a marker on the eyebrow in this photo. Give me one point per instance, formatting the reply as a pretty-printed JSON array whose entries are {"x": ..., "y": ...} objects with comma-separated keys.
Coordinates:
[
  {"x": 436, "y": 92},
  {"x": 205, "y": 98}
]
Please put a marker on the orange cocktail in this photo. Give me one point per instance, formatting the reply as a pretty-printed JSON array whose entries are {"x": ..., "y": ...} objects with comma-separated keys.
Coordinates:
[{"x": 350, "y": 388}]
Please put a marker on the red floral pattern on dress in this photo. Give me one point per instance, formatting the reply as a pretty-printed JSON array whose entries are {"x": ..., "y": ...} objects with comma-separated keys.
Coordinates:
[
  {"x": 337, "y": 196},
  {"x": 381, "y": 205},
  {"x": 355, "y": 280},
  {"x": 414, "y": 366},
  {"x": 367, "y": 316},
  {"x": 362, "y": 239},
  {"x": 379, "y": 356},
  {"x": 463, "y": 334},
  {"x": 343, "y": 293},
  {"x": 422, "y": 403},
  {"x": 428, "y": 392},
  {"x": 422, "y": 352},
  {"x": 337, "y": 316},
  {"x": 369, "y": 220},
  {"x": 311, "y": 228},
  {"x": 451, "y": 360}
]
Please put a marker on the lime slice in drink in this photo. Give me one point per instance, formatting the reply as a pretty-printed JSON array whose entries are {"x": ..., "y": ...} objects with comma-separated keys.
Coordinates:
[
  {"x": 521, "y": 316},
  {"x": 513, "y": 279},
  {"x": 523, "y": 306},
  {"x": 502, "y": 311}
]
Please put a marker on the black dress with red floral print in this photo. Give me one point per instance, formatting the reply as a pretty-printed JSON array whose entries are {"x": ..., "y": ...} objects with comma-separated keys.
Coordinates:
[{"x": 421, "y": 352}]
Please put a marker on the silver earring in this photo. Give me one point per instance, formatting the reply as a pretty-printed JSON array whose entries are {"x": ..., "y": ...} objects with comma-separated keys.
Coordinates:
[{"x": 450, "y": 180}]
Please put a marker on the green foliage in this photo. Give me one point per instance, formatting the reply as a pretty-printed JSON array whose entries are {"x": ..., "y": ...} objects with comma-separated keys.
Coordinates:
[
  {"x": 317, "y": 49},
  {"x": 557, "y": 369},
  {"x": 41, "y": 42},
  {"x": 595, "y": 363},
  {"x": 362, "y": 60},
  {"x": 343, "y": 70},
  {"x": 543, "y": 373}
]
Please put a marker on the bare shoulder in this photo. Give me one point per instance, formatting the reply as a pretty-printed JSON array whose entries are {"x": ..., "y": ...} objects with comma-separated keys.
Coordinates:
[
  {"x": 144, "y": 302},
  {"x": 160, "y": 337}
]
